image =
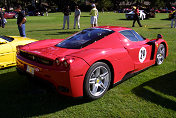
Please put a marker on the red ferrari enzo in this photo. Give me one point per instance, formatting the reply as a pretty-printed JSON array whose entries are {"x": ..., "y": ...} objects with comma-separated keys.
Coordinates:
[{"x": 90, "y": 61}]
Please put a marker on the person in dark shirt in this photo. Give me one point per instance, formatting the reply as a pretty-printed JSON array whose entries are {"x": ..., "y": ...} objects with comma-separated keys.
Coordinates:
[
  {"x": 21, "y": 20},
  {"x": 136, "y": 17},
  {"x": 173, "y": 17},
  {"x": 66, "y": 12},
  {"x": 2, "y": 24}
]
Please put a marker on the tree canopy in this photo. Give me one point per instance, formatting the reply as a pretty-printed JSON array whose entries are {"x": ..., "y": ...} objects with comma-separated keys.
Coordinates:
[{"x": 101, "y": 4}]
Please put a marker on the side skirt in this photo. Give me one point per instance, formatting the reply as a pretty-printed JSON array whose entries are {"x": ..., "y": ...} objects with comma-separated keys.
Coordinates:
[{"x": 129, "y": 75}]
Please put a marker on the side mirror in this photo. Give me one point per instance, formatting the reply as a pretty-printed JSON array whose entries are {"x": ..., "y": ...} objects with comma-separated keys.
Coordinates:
[
  {"x": 159, "y": 36},
  {"x": 2, "y": 41}
]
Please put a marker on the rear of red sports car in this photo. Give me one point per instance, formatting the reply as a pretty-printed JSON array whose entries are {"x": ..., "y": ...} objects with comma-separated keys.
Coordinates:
[
  {"x": 59, "y": 63},
  {"x": 60, "y": 72}
]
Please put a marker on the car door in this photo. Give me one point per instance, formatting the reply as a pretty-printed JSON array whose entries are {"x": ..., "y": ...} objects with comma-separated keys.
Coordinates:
[
  {"x": 6, "y": 54},
  {"x": 137, "y": 48}
]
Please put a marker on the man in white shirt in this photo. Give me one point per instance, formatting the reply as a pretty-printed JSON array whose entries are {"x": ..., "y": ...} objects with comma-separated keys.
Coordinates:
[{"x": 77, "y": 17}]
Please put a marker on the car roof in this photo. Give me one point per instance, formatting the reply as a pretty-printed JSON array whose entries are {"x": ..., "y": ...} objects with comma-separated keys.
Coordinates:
[{"x": 114, "y": 28}]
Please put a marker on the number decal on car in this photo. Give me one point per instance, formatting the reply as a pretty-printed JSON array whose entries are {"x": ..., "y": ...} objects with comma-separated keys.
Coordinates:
[{"x": 142, "y": 54}]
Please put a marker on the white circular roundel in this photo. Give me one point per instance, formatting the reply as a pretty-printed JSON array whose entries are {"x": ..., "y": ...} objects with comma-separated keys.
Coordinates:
[{"x": 142, "y": 54}]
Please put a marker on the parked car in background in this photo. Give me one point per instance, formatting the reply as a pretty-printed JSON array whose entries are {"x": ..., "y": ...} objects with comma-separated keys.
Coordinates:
[
  {"x": 150, "y": 14},
  {"x": 35, "y": 13},
  {"x": 127, "y": 10},
  {"x": 163, "y": 11},
  {"x": 130, "y": 15},
  {"x": 10, "y": 15},
  {"x": 8, "y": 49},
  {"x": 157, "y": 11}
]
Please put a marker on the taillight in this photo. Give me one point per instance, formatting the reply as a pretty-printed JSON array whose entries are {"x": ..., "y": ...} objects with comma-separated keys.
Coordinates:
[
  {"x": 18, "y": 49},
  {"x": 64, "y": 61}
]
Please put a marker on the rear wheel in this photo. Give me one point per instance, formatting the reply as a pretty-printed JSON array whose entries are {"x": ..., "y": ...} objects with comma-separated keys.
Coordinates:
[
  {"x": 97, "y": 80},
  {"x": 160, "y": 54}
]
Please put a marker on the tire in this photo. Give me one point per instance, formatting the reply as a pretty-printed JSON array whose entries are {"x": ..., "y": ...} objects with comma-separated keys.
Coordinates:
[
  {"x": 97, "y": 81},
  {"x": 161, "y": 52}
]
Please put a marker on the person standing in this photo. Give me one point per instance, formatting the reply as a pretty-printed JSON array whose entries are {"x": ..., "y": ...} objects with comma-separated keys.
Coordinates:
[
  {"x": 94, "y": 14},
  {"x": 173, "y": 18},
  {"x": 46, "y": 11},
  {"x": 77, "y": 17},
  {"x": 21, "y": 20},
  {"x": 136, "y": 16},
  {"x": 2, "y": 23},
  {"x": 66, "y": 12}
]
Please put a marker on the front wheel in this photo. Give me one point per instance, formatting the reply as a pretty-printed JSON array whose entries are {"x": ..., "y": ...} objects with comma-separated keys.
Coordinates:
[
  {"x": 160, "y": 54},
  {"x": 97, "y": 80}
]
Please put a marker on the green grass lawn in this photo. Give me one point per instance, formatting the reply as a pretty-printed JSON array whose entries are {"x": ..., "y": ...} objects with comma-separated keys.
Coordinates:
[{"x": 151, "y": 93}]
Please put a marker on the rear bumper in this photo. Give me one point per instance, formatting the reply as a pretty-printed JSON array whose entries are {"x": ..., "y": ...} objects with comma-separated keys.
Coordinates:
[
  {"x": 65, "y": 82},
  {"x": 34, "y": 78}
]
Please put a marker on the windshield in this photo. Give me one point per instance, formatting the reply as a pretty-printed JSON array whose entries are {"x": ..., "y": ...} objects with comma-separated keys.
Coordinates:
[
  {"x": 84, "y": 38},
  {"x": 9, "y": 39}
]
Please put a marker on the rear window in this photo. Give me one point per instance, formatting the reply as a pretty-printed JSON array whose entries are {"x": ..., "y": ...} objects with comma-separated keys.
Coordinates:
[
  {"x": 132, "y": 35},
  {"x": 9, "y": 39},
  {"x": 84, "y": 38},
  {"x": 138, "y": 36},
  {"x": 128, "y": 34}
]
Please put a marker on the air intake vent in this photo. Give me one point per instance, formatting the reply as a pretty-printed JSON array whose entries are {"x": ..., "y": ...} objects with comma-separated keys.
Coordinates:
[{"x": 36, "y": 58}]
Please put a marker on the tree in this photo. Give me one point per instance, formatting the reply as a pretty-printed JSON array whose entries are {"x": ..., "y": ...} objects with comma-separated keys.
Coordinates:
[
  {"x": 75, "y": 1},
  {"x": 115, "y": 4},
  {"x": 104, "y": 4},
  {"x": 157, "y": 3}
]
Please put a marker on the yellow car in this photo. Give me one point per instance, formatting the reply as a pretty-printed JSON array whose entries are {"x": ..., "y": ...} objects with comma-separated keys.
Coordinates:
[{"x": 8, "y": 49}]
